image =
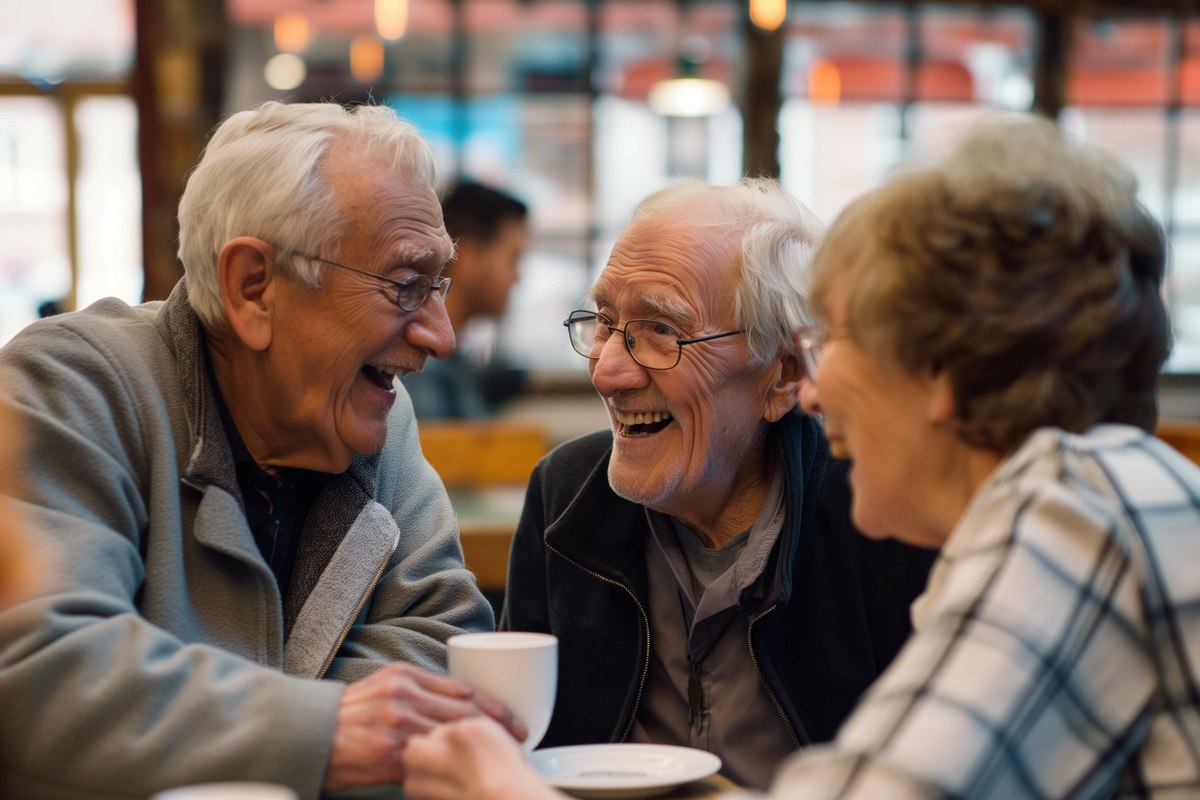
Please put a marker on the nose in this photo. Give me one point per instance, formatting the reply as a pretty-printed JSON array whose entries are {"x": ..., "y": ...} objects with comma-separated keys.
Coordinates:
[
  {"x": 808, "y": 396},
  {"x": 616, "y": 370},
  {"x": 429, "y": 328}
]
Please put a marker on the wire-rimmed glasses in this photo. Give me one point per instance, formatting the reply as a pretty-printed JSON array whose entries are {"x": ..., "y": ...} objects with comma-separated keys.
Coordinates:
[
  {"x": 409, "y": 294},
  {"x": 653, "y": 344},
  {"x": 810, "y": 341}
]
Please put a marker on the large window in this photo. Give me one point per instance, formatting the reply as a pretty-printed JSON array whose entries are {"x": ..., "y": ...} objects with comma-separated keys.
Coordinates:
[
  {"x": 550, "y": 98},
  {"x": 70, "y": 198}
]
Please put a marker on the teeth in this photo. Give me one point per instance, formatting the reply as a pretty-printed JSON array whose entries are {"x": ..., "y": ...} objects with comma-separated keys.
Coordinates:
[
  {"x": 839, "y": 450},
  {"x": 389, "y": 374},
  {"x": 641, "y": 417}
]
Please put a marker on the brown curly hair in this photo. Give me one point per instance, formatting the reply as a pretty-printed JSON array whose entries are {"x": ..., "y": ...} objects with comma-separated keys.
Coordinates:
[{"x": 1023, "y": 265}]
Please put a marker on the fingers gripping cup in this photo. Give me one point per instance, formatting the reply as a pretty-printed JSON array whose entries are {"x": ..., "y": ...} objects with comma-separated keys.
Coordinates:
[{"x": 518, "y": 669}]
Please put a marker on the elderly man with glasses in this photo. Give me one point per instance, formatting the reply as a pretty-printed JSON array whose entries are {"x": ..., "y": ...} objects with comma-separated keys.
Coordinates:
[
  {"x": 697, "y": 561},
  {"x": 256, "y": 571}
]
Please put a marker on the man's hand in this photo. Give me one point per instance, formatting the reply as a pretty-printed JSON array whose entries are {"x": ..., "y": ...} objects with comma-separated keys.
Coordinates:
[
  {"x": 471, "y": 759},
  {"x": 379, "y": 713}
]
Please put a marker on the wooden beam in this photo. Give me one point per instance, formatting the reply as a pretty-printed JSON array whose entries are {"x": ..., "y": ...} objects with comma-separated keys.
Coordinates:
[
  {"x": 761, "y": 99},
  {"x": 178, "y": 79},
  {"x": 1053, "y": 45}
]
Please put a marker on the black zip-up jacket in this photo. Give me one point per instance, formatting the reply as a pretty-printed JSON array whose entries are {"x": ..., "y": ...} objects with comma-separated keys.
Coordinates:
[{"x": 578, "y": 570}]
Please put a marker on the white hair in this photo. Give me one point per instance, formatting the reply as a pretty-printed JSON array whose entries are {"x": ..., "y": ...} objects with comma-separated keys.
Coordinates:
[
  {"x": 778, "y": 237},
  {"x": 260, "y": 175}
]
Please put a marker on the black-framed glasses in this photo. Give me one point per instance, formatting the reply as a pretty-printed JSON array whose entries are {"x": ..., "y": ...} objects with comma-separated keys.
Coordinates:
[
  {"x": 654, "y": 345},
  {"x": 409, "y": 294},
  {"x": 810, "y": 341}
]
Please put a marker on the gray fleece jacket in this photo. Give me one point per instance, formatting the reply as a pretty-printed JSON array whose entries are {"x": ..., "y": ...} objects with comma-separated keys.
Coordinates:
[{"x": 158, "y": 657}]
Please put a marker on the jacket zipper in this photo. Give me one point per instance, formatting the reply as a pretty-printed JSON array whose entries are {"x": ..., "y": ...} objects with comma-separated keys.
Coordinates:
[
  {"x": 358, "y": 609},
  {"x": 766, "y": 685},
  {"x": 637, "y": 701}
]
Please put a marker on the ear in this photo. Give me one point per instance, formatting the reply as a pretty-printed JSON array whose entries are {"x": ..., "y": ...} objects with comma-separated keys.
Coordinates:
[
  {"x": 942, "y": 408},
  {"x": 784, "y": 393},
  {"x": 245, "y": 271}
]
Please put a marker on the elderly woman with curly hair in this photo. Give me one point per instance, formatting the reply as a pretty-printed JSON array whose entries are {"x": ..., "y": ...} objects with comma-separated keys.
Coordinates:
[{"x": 991, "y": 332}]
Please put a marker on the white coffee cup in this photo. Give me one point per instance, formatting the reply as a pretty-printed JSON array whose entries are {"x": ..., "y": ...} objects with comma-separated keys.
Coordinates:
[
  {"x": 517, "y": 668},
  {"x": 237, "y": 790}
]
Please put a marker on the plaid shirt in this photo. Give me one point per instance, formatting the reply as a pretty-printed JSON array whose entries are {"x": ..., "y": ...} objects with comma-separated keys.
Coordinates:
[{"x": 1056, "y": 648}]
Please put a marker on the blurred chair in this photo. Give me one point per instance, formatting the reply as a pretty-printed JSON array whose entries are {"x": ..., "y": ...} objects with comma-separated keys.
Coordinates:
[
  {"x": 1183, "y": 435},
  {"x": 485, "y": 465}
]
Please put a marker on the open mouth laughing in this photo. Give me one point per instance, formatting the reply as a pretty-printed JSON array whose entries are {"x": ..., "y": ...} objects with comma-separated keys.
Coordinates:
[
  {"x": 641, "y": 423},
  {"x": 382, "y": 375}
]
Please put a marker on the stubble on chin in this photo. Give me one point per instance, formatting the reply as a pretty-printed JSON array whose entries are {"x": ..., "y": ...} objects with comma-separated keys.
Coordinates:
[{"x": 634, "y": 484}]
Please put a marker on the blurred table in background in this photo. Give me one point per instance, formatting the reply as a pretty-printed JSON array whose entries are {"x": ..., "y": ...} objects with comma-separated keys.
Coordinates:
[
  {"x": 485, "y": 465},
  {"x": 1183, "y": 435},
  {"x": 712, "y": 786},
  {"x": 487, "y": 518}
]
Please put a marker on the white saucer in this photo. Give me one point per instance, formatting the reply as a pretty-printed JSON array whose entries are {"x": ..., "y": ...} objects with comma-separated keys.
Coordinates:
[{"x": 611, "y": 771}]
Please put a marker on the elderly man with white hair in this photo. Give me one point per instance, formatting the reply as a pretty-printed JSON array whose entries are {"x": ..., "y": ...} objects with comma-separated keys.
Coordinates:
[
  {"x": 697, "y": 561},
  {"x": 255, "y": 569}
]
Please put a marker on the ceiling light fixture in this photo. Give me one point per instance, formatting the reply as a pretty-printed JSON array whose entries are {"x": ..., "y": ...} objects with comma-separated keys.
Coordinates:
[{"x": 687, "y": 94}]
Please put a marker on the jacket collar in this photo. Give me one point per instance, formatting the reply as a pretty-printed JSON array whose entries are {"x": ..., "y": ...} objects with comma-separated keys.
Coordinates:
[
  {"x": 600, "y": 531},
  {"x": 210, "y": 465},
  {"x": 606, "y": 534},
  {"x": 211, "y": 458},
  {"x": 804, "y": 453}
]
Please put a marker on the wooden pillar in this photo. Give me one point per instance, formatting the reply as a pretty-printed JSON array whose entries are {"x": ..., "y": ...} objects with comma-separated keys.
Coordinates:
[
  {"x": 762, "y": 99},
  {"x": 178, "y": 78},
  {"x": 1054, "y": 37}
]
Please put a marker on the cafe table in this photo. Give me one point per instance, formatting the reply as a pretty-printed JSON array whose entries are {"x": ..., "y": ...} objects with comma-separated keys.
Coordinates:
[{"x": 712, "y": 786}]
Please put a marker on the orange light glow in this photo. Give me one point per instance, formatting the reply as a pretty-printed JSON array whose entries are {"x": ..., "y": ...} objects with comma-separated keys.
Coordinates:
[
  {"x": 366, "y": 58},
  {"x": 291, "y": 32},
  {"x": 825, "y": 83}
]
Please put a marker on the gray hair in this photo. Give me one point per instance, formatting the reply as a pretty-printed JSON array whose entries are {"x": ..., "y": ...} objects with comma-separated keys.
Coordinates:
[
  {"x": 778, "y": 237},
  {"x": 260, "y": 175}
]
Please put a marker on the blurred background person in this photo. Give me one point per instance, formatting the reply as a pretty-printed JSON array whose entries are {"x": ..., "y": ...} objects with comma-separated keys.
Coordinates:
[
  {"x": 990, "y": 334},
  {"x": 490, "y": 231}
]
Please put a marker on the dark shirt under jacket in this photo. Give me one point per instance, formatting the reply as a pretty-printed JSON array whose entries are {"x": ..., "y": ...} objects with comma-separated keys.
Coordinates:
[
  {"x": 578, "y": 570},
  {"x": 275, "y": 506}
]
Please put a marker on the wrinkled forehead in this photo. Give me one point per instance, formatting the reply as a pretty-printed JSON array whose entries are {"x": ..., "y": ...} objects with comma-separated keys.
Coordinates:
[
  {"x": 392, "y": 213},
  {"x": 668, "y": 267}
]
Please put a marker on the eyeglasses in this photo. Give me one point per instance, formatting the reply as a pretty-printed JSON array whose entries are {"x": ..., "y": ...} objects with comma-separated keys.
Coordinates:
[
  {"x": 410, "y": 293},
  {"x": 810, "y": 341},
  {"x": 654, "y": 345}
]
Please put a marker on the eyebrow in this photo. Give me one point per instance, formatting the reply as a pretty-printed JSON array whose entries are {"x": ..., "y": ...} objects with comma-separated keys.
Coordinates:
[
  {"x": 423, "y": 260},
  {"x": 655, "y": 304},
  {"x": 669, "y": 308}
]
